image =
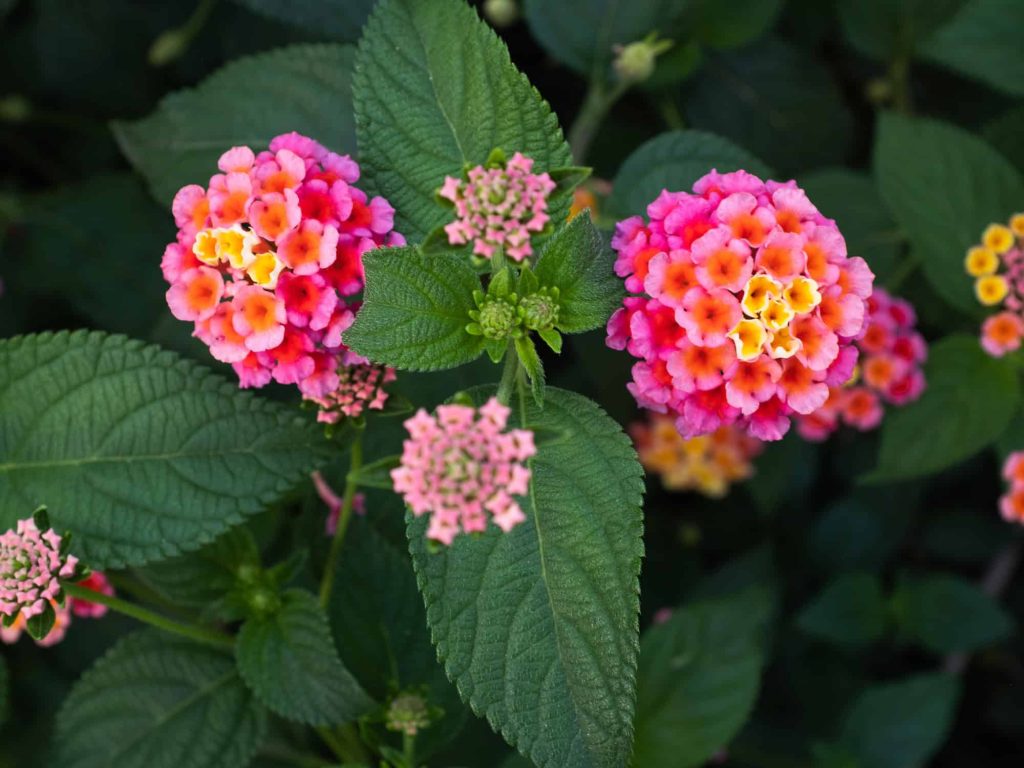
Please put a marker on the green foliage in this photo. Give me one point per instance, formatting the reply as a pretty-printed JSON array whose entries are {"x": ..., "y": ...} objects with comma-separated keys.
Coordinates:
[
  {"x": 415, "y": 311},
  {"x": 850, "y": 610},
  {"x": 885, "y": 29},
  {"x": 947, "y": 614},
  {"x": 341, "y": 19},
  {"x": 900, "y": 725},
  {"x": 4, "y": 690},
  {"x": 551, "y": 659},
  {"x": 289, "y": 660},
  {"x": 698, "y": 679},
  {"x": 301, "y": 88},
  {"x": 461, "y": 97},
  {"x": 1004, "y": 133},
  {"x": 163, "y": 456},
  {"x": 156, "y": 701},
  {"x": 969, "y": 402},
  {"x": 944, "y": 186},
  {"x": 674, "y": 161},
  {"x": 863, "y": 530},
  {"x": 730, "y": 25}
]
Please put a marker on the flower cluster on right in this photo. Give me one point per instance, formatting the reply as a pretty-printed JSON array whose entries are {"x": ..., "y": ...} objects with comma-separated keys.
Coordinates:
[
  {"x": 1011, "y": 505},
  {"x": 997, "y": 265},
  {"x": 891, "y": 355}
]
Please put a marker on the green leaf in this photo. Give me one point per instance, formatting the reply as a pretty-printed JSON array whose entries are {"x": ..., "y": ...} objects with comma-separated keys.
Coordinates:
[
  {"x": 863, "y": 530},
  {"x": 969, "y": 402},
  {"x": 530, "y": 360},
  {"x": 850, "y": 610},
  {"x": 289, "y": 660},
  {"x": 732, "y": 24},
  {"x": 576, "y": 260},
  {"x": 448, "y": 98},
  {"x": 4, "y": 690},
  {"x": 158, "y": 701},
  {"x": 944, "y": 186},
  {"x": 983, "y": 42},
  {"x": 415, "y": 310},
  {"x": 772, "y": 98},
  {"x": 304, "y": 88},
  {"x": 699, "y": 677},
  {"x": 852, "y": 199},
  {"x": 538, "y": 627},
  {"x": 947, "y": 614},
  {"x": 674, "y": 161},
  {"x": 582, "y": 33},
  {"x": 141, "y": 454},
  {"x": 1004, "y": 134},
  {"x": 888, "y": 29},
  {"x": 900, "y": 725},
  {"x": 339, "y": 19}
]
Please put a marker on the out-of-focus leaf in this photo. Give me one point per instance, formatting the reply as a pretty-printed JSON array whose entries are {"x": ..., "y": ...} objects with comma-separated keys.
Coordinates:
[
  {"x": 1004, "y": 134},
  {"x": 884, "y": 29},
  {"x": 732, "y": 24},
  {"x": 850, "y": 610},
  {"x": 340, "y": 19},
  {"x": 861, "y": 531}
]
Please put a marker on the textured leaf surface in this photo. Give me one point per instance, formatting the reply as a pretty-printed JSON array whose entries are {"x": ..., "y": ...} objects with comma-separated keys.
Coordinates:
[
  {"x": 290, "y": 661},
  {"x": 968, "y": 404},
  {"x": 944, "y": 186},
  {"x": 415, "y": 310},
  {"x": 674, "y": 161},
  {"x": 850, "y": 610},
  {"x": 140, "y": 453},
  {"x": 341, "y": 19},
  {"x": 947, "y": 614},
  {"x": 579, "y": 263},
  {"x": 157, "y": 701},
  {"x": 304, "y": 88},
  {"x": 699, "y": 677},
  {"x": 538, "y": 627},
  {"x": 435, "y": 89}
]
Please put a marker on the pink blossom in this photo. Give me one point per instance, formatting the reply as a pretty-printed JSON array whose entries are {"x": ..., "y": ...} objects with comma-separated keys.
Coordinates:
[
  {"x": 31, "y": 567},
  {"x": 97, "y": 582}
]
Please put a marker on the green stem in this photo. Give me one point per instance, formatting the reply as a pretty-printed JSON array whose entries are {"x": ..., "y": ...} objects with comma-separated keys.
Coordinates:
[
  {"x": 344, "y": 517},
  {"x": 409, "y": 750},
  {"x": 508, "y": 374},
  {"x": 191, "y": 631},
  {"x": 899, "y": 81},
  {"x": 596, "y": 103},
  {"x": 345, "y": 743}
]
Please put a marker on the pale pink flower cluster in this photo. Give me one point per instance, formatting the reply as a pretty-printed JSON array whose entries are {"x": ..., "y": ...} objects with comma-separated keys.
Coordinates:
[
  {"x": 360, "y": 386},
  {"x": 499, "y": 207},
  {"x": 461, "y": 466},
  {"x": 31, "y": 567}
]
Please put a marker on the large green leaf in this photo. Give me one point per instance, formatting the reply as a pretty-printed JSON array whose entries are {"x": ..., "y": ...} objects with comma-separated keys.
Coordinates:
[
  {"x": 728, "y": 25},
  {"x": 969, "y": 402},
  {"x": 850, "y": 610},
  {"x": 699, "y": 677},
  {"x": 138, "y": 452},
  {"x": 886, "y": 29},
  {"x": 415, "y": 310},
  {"x": 983, "y": 42},
  {"x": 674, "y": 161},
  {"x": 304, "y": 88},
  {"x": 341, "y": 19},
  {"x": 944, "y": 186},
  {"x": 290, "y": 661},
  {"x": 434, "y": 90},
  {"x": 948, "y": 614},
  {"x": 900, "y": 725},
  {"x": 1004, "y": 134},
  {"x": 538, "y": 627},
  {"x": 158, "y": 701}
]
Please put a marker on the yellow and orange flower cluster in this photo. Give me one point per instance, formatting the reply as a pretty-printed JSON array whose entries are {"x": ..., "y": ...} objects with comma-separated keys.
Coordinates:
[
  {"x": 707, "y": 464},
  {"x": 997, "y": 266}
]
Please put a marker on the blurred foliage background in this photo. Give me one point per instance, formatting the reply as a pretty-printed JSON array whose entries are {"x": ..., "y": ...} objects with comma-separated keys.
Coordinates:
[{"x": 884, "y": 649}]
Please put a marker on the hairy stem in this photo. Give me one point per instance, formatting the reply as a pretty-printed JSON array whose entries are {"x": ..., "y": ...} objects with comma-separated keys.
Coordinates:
[{"x": 344, "y": 516}]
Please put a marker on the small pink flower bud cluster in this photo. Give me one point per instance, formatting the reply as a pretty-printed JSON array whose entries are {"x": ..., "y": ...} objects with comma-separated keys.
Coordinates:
[
  {"x": 997, "y": 264},
  {"x": 1011, "y": 505},
  {"x": 267, "y": 259},
  {"x": 360, "y": 386},
  {"x": 746, "y": 305},
  {"x": 461, "y": 466},
  {"x": 498, "y": 207},
  {"x": 31, "y": 567},
  {"x": 891, "y": 355}
]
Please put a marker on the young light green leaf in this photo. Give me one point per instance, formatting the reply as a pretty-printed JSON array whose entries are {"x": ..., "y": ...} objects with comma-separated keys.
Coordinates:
[
  {"x": 674, "y": 161},
  {"x": 969, "y": 402},
  {"x": 900, "y": 724},
  {"x": 526, "y": 350},
  {"x": 947, "y": 614},
  {"x": 340, "y": 19},
  {"x": 577, "y": 262},
  {"x": 290, "y": 661},
  {"x": 449, "y": 98},
  {"x": 415, "y": 310},
  {"x": 699, "y": 677},
  {"x": 158, "y": 701},
  {"x": 538, "y": 627},
  {"x": 305, "y": 88},
  {"x": 139, "y": 453},
  {"x": 944, "y": 186},
  {"x": 850, "y": 610}
]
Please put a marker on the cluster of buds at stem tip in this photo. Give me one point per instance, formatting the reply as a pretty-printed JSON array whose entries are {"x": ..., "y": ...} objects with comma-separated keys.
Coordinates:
[
  {"x": 504, "y": 314},
  {"x": 635, "y": 62}
]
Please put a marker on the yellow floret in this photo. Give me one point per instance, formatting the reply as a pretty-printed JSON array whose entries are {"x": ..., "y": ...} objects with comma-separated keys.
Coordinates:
[
  {"x": 998, "y": 237},
  {"x": 802, "y": 295},
  {"x": 205, "y": 246},
  {"x": 265, "y": 270},
  {"x": 777, "y": 315},
  {"x": 1017, "y": 224},
  {"x": 981, "y": 261},
  {"x": 991, "y": 290},
  {"x": 749, "y": 337},
  {"x": 760, "y": 289}
]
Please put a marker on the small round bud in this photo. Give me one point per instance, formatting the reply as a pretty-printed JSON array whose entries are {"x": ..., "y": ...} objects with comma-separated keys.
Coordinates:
[
  {"x": 501, "y": 13},
  {"x": 634, "y": 63},
  {"x": 498, "y": 319},
  {"x": 408, "y": 714},
  {"x": 539, "y": 311},
  {"x": 168, "y": 47},
  {"x": 262, "y": 602}
]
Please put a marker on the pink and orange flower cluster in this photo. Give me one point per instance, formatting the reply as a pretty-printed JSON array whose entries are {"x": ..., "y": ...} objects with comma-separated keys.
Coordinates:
[
  {"x": 997, "y": 266},
  {"x": 891, "y": 355},
  {"x": 462, "y": 467},
  {"x": 1011, "y": 505},
  {"x": 745, "y": 305},
  {"x": 267, "y": 260}
]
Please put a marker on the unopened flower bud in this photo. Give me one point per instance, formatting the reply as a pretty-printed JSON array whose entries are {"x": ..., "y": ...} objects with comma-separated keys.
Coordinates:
[{"x": 634, "y": 62}]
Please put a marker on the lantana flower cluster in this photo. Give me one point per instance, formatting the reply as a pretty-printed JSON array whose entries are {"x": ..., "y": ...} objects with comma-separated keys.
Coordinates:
[
  {"x": 1011, "y": 505},
  {"x": 63, "y": 613},
  {"x": 891, "y": 355},
  {"x": 707, "y": 464},
  {"x": 498, "y": 205},
  {"x": 746, "y": 305},
  {"x": 462, "y": 467},
  {"x": 997, "y": 264},
  {"x": 31, "y": 567},
  {"x": 266, "y": 262}
]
